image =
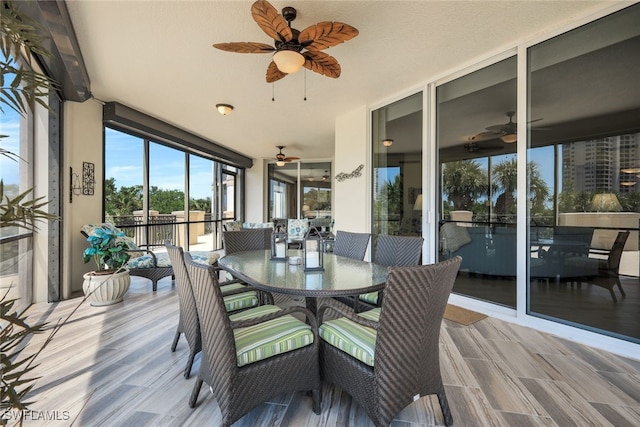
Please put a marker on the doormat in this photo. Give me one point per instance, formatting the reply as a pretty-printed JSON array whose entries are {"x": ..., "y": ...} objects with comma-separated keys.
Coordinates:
[{"x": 462, "y": 315}]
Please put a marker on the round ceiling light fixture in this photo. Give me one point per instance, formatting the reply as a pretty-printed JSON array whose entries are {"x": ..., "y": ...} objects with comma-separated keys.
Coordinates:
[
  {"x": 387, "y": 142},
  {"x": 288, "y": 61},
  {"x": 224, "y": 109}
]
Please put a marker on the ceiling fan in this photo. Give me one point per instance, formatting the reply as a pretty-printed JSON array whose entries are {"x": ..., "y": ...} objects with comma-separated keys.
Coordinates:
[
  {"x": 506, "y": 132},
  {"x": 281, "y": 159},
  {"x": 293, "y": 49}
]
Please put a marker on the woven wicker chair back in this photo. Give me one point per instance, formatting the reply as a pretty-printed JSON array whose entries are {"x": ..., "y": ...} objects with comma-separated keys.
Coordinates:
[
  {"x": 188, "y": 322},
  {"x": 246, "y": 240},
  {"x": 351, "y": 245},
  {"x": 218, "y": 362},
  {"x": 616, "y": 251},
  {"x": 398, "y": 250}
]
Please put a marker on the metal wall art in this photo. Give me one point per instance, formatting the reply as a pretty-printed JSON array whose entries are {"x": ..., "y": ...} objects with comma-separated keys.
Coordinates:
[
  {"x": 354, "y": 174},
  {"x": 88, "y": 178}
]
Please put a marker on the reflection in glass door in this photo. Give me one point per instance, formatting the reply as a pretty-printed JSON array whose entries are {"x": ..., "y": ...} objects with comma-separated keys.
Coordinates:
[
  {"x": 397, "y": 168},
  {"x": 478, "y": 177},
  {"x": 585, "y": 137}
]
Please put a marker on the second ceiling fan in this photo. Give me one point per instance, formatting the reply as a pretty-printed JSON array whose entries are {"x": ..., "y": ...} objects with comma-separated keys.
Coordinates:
[
  {"x": 293, "y": 49},
  {"x": 507, "y": 132},
  {"x": 281, "y": 159}
]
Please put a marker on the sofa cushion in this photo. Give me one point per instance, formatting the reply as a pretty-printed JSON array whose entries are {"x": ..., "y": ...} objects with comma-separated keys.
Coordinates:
[{"x": 146, "y": 261}]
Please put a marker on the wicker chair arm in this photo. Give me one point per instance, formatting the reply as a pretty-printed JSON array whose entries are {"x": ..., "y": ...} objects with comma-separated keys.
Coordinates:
[
  {"x": 344, "y": 311},
  {"x": 290, "y": 310}
]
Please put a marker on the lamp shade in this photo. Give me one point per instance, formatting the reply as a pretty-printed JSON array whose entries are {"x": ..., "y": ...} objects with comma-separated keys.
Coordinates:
[
  {"x": 605, "y": 202},
  {"x": 417, "y": 206},
  {"x": 288, "y": 61}
]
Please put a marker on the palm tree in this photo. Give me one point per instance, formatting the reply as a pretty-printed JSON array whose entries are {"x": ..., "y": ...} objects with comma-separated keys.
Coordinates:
[
  {"x": 504, "y": 177},
  {"x": 464, "y": 182}
]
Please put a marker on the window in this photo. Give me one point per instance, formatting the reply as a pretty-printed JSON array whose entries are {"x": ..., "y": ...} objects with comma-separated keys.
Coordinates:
[
  {"x": 299, "y": 190},
  {"x": 584, "y": 84},
  {"x": 16, "y": 173},
  {"x": 478, "y": 177},
  {"x": 145, "y": 186},
  {"x": 397, "y": 168}
]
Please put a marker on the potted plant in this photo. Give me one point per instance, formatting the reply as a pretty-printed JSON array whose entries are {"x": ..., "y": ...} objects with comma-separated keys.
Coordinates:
[{"x": 108, "y": 284}]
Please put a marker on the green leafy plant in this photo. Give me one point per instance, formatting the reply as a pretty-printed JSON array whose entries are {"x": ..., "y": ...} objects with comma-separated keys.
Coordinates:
[
  {"x": 20, "y": 85},
  {"x": 106, "y": 249}
]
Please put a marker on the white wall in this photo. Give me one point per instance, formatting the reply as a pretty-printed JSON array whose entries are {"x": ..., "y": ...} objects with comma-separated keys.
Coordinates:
[
  {"x": 82, "y": 143},
  {"x": 352, "y": 196},
  {"x": 256, "y": 192}
]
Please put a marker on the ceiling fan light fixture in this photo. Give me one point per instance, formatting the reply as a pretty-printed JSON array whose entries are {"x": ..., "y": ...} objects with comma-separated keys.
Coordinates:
[
  {"x": 224, "y": 109},
  {"x": 281, "y": 163},
  {"x": 509, "y": 138},
  {"x": 387, "y": 142},
  {"x": 288, "y": 61}
]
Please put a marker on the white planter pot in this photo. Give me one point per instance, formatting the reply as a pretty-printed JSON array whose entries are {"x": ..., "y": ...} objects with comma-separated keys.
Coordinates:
[{"x": 106, "y": 289}]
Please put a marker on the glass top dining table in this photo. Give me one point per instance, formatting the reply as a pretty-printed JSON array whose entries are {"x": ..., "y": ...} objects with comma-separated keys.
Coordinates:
[{"x": 341, "y": 276}]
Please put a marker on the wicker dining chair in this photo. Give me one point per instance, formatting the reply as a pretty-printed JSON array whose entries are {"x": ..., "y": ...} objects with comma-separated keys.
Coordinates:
[
  {"x": 246, "y": 240},
  {"x": 237, "y": 296},
  {"x": 387, "y": 357},
  {"x": 399, "y": 251},
  {"x": 247, "y": 361},
  {"x": 351, "y": 245}
]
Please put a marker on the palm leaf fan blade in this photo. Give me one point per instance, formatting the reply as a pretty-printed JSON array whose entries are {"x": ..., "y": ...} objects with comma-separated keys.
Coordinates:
[
  {"x": 244, "y": 47},
  {"x": 273, "y": 73},
  {"x": 270, "y": 21},
  {"x": 322, "y": 63},
  {"x": 326, "y": 34}
]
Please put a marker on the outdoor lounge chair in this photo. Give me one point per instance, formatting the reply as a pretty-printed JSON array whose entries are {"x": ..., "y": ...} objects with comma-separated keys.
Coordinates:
[
  {"x": 388, "y": 357},
  {"x": 247, "y": 360},
  {"x": 146, "y": 263}
]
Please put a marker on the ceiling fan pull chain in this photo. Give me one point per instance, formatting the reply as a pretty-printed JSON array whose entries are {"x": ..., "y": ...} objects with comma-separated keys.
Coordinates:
[
  {"x": 305, "y": 84},
  {"x": 273, "y": 92}
]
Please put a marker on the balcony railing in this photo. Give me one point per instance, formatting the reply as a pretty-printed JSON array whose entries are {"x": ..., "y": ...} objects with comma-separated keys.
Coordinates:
[{"x": 200, "y": 234}]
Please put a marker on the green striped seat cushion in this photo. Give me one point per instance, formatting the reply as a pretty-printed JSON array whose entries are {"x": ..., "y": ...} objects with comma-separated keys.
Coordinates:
[
  {"x": 238, "y": 301},
  {"x": 371, "y": 298},
  {"x": 354, "y": 339},
  {"x": 270, "y": 338}
]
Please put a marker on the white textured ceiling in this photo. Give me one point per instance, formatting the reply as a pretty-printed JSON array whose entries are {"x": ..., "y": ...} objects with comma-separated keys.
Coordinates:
[{"x": 157, "y": 57}]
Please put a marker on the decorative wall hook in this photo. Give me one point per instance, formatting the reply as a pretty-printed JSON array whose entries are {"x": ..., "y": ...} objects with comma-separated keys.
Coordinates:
[
  {"x": 88, "y": 181},
  {"x": 74, "y": 184}
]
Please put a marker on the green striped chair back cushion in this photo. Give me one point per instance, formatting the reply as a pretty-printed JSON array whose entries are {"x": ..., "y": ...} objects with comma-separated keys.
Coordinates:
[
  {"x": 270, "y": 338},
  {"x": 354, "y": 339},
  {"x": 371, "y": 297},
  {"x": 225, "y": 289}
]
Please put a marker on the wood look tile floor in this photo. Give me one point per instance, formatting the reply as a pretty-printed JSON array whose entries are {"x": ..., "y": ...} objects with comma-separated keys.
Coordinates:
[{"x": 112, "y": 366}]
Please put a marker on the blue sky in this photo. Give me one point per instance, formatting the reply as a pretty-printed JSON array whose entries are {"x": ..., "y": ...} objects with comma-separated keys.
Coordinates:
[
  {"x": 10, "y": 126},
  {"x": 124, "y": 162}
]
